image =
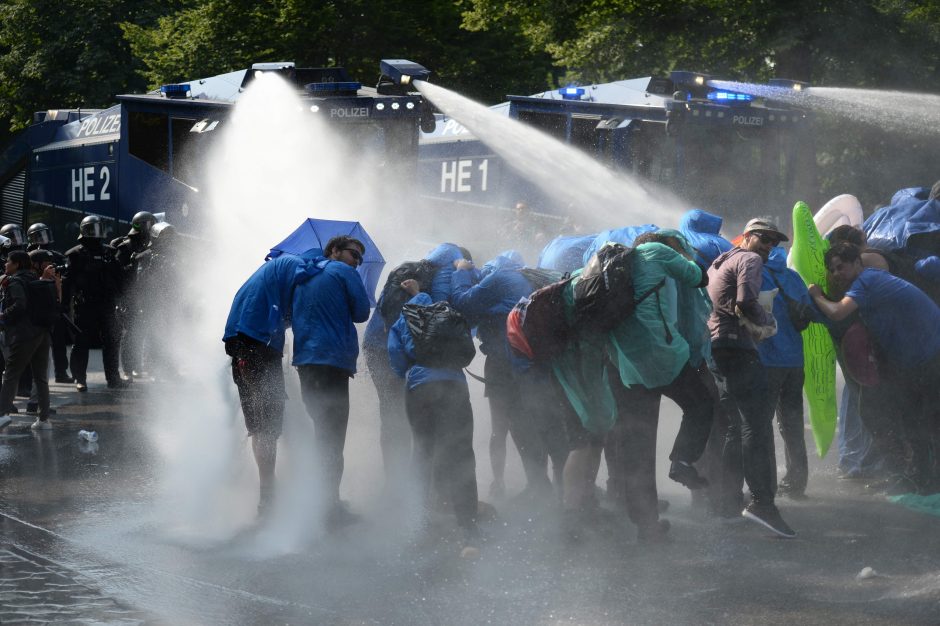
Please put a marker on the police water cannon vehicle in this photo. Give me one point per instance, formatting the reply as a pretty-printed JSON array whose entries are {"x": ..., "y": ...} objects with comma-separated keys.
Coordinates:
[
  {"x": 148, "y": 152},
  {"x": 724, "y": 150}
]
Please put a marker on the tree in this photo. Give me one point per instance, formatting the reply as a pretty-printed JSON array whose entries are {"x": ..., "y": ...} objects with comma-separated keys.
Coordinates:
[{"x": 67, "y": 53}]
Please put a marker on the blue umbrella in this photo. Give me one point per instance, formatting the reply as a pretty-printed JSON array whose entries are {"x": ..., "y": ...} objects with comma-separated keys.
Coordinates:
[{"x": 312, "y": 236}]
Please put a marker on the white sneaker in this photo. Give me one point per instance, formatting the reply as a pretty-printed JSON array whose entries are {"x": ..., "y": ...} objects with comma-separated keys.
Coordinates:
[
  {"x": 42, "y": 425},
  {"x": 5, "y": 421}
]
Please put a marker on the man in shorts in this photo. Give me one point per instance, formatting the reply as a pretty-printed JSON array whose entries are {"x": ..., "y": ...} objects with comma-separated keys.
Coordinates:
[{"x": 254, "y": 338}]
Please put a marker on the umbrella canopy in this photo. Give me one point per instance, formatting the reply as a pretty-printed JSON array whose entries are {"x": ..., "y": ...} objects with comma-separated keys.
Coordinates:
[{"x": 312, "y": 236}]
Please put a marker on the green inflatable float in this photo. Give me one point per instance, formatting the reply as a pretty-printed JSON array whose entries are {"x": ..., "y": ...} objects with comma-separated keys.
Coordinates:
[{"x": 806, "y": 257}]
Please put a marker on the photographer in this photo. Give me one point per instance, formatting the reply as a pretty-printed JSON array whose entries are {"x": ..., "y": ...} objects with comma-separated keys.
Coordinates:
[
  {"x": 25, "y": 344},
  {"x": 39, "y": 237}
]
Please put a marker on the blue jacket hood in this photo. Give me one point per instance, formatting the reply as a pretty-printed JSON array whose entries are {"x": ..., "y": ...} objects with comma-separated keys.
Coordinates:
[
  {"x": 702, "y": 230},
  {"x": 444, "y": 255},
  {"x": 699, "y": 221},
  {"x": 508, "y": 260}
]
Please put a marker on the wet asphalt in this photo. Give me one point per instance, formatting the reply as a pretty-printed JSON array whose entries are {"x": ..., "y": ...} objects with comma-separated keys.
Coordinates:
[{"x": 80, "y": 543}]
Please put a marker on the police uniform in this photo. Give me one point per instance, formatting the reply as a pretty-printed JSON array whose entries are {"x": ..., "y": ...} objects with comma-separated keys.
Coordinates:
[
  {"x": 128, "y": 250},
  {"x": 92, "y": 286}
]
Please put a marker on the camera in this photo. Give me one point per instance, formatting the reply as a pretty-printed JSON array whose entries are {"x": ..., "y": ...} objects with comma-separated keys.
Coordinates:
[{"x": 60, "y": 269}]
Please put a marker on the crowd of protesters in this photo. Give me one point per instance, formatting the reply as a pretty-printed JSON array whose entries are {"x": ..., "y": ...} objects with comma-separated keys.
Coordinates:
[{"x": 712, "y": 325}]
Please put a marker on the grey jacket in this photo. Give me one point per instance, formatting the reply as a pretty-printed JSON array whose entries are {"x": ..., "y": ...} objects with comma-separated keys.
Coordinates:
[{"x": 734, "y": 279}]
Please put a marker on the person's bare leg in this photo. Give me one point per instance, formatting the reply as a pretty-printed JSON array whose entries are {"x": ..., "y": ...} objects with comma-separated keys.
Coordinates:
[
  {"x": 264, "y": 447},
  {"x": 579, "y": 476},
  {"x": 498, "y": 435}
]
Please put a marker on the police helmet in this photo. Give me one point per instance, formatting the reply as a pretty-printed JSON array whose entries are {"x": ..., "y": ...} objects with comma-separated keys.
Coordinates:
[
  {"x": 142, "y": 222},
  {"x": 163, "y": 231},
  {"x": 91, "y": 228},
  {"x": 39, "y": 234},
  {"x": 14, "y": 232}
]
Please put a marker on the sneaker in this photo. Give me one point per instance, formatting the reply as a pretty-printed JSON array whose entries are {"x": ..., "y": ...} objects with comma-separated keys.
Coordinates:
[
  {"x": 786, "y": 489},
  {"x": 656, "y": 533},
  {"x": 470, "y": 542},
  {"x": 41, "y": 425},
  {"x": 685, "y": 474},
  {"x": 5, "y": 421},
  {"x": 32, "y": 409},
  {"x": 81, "y": 387},
  {"x": 768, "y": 516}
]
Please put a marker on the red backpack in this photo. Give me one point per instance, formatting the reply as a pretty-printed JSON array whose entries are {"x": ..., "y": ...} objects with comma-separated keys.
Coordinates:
[{"x": 537, "y": 327}]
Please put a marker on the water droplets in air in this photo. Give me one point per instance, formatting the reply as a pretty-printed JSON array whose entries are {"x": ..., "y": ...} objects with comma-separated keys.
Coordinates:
[
  {"x": 595, "y": 194},
  {"x": 917, "y": 113}
]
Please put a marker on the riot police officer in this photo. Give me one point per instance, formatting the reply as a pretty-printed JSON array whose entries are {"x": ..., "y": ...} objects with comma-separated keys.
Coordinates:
[
  {"x": 129, "y": 250},
  {"x": 17, "y": 240},
  {"x": 91, "y": 288},
  {"x": 39, "y": 237}
]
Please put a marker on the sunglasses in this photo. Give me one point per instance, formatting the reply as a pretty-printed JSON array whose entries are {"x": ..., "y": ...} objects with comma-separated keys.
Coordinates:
[
  {"x": 356, "y": 255},
  {"x": 767, "y": 239}
]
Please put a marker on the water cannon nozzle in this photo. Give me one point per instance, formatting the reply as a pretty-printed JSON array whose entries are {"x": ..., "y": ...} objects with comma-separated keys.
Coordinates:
[{"x": 398, "y": 74}]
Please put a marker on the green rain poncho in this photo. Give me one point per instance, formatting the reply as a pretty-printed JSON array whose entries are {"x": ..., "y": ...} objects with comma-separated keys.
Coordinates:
[
  {"x": 648, "y": 347},
  {"x": 639, "y": 346}
]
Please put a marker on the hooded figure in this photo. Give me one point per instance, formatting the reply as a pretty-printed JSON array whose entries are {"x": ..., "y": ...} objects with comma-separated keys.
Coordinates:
[{"x": 703, "y": 232}]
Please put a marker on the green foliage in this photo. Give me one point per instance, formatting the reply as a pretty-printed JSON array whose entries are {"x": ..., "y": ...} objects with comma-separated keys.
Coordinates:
[
  {"x": 73, "y": 53},
  {"x": 62, "y": 53}
]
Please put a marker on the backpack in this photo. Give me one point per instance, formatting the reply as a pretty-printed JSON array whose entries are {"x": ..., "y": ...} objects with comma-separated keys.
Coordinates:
[
  {"x": 605, "y": 294},
  {"x": 537, "y": 327},
  {"x": 42, "y": 303},
  {"x": 441, "y": 335},
  {"x": 860, "y": 355},
  {"x": 539, "y": 277},
  {"x": 394, "y": 297}
]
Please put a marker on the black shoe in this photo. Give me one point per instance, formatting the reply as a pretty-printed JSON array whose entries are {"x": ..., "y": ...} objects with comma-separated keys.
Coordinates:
[
  {"x": 685, "y": 474},
  {"x": 786, "y": 489},
  {"x": 118, "y": 384},
  {"x": 768, "y": 516},
  {"x": 81, "y": 387},
  {"x": 34, "y": 408},
  {"x": 13, "y": 410},
  {"x": 64, "y": 378},
  {"x": 656, "y": 533}
]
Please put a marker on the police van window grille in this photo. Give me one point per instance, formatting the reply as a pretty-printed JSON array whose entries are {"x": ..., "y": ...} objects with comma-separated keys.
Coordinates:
[
  {"x": 148, "y": 139},
  {"x": 13, "y": 199},
  {"x": 552, "y": 123},
  {"x": 189, "y": 151},
  {"x": 584, "y": 132}
]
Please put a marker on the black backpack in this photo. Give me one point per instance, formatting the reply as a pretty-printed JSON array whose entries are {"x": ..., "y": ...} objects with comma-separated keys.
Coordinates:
[
  {"x": 42, "y": 303},
  {"x": 441, "y": 335},
  {"x": 605, "y": 295},
  {"x": 539, "y": 277},
  {"x": 394, "y": 297}
]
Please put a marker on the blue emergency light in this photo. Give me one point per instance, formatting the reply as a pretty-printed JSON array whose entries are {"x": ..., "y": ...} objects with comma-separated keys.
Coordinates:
[
  {"x": 571, "y": 93},
  {"x": 175, "y": 91},
  {"x": 727, "y": 97}
]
